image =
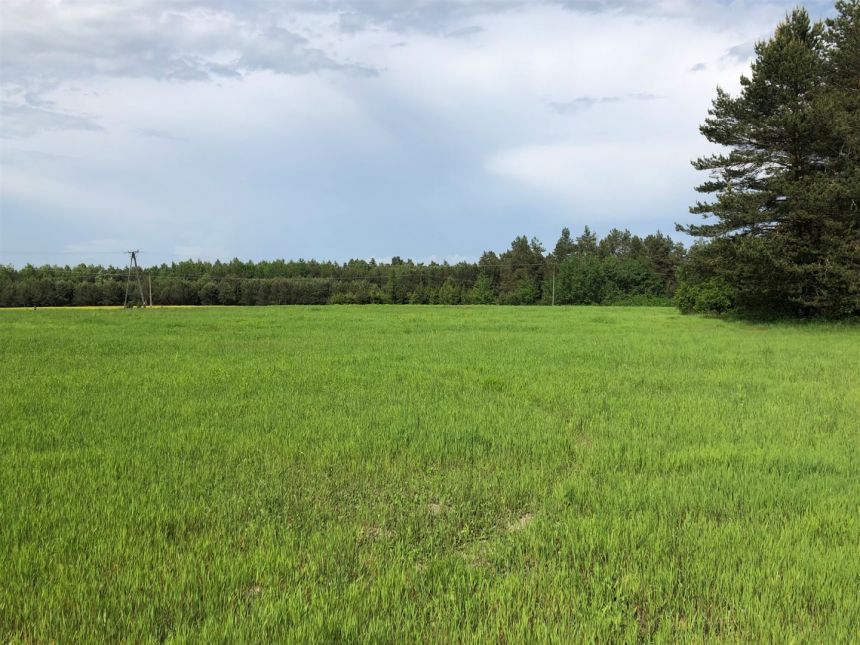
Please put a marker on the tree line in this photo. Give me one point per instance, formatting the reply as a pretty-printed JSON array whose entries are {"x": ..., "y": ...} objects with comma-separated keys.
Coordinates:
[{"x": 620, "y": 268}]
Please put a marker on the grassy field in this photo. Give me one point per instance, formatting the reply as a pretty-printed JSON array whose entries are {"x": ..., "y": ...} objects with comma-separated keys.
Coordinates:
[{"x": 402, "y": 474}]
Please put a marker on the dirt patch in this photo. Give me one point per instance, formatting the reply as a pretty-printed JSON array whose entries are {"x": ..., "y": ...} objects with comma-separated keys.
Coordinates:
[
  {"x": 476, "y": 553},
  {"x": 373, "y": 533},
  {"x": 253, "y": 591},
  {"x": 435, "y": 508},
  {"x": 520, "y": 523}
]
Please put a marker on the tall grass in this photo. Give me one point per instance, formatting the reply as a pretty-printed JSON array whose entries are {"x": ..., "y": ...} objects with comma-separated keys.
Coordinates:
[{"x": 427, "y": 474}]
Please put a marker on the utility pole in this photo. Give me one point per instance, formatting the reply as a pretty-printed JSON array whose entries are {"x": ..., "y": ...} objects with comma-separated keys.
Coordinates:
[
  {"x": 149, "y": 277},
  {"x": 132, "y": 263}
]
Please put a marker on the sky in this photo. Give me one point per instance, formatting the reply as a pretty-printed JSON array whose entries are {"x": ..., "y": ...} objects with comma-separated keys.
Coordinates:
[{"x": 338, "y": 129}]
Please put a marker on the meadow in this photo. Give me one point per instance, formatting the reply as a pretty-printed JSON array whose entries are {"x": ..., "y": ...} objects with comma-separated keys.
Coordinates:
[{"x": 429, "y": 474}]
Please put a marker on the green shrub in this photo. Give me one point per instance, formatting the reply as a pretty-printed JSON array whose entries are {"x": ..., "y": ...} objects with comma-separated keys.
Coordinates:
[{"x": 712, "y": 296}]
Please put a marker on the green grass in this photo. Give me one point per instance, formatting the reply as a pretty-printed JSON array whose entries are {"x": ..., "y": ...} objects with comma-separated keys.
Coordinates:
[{"x": 402, "y": 474}]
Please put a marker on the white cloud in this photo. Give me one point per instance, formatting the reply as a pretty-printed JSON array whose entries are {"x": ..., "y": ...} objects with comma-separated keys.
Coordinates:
[
  {"x": 260, "y": 127},
  {"x": 629, "y": 175}
]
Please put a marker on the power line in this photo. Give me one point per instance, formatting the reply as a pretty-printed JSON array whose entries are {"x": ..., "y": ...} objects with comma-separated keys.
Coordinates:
[
  {"x": 400, "y": 269},
  {"x": 378, "y": 281},
  {"x": 250, "y": 279},
  {"x": 408, "y": 263},
  {"x": 61, "y": 252},
  {"x": 216, "y": 278}
]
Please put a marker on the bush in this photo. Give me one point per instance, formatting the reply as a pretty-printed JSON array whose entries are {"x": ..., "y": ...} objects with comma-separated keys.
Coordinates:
[
  {"x": 343, "y": 298},
  {"x": 712, "y": 296}
]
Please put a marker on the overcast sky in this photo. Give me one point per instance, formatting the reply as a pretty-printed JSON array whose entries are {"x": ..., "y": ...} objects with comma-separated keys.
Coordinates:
[{"x": 334, "y": 129}]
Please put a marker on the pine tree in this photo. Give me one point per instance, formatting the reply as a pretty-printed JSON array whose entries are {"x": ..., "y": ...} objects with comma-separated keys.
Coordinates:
[
  {"x": 482, "y": 293},
  {"x": 521, "y": 271},
  {"x": 564, "y": 247},
  {"x": 840, "y": 193},
  {"x": 617, "y": 243},
  {"x": 785, "y": 236},
  {"x": 586, "y": 244}
]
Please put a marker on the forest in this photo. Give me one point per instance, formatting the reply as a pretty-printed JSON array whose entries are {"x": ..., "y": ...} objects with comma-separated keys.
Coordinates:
[{"x": 620, "y": 268}]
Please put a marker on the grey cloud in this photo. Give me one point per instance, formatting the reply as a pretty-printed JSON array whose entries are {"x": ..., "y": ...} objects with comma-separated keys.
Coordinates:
[
  {"x": 464, "y": 32},
  {"x": 724, "y": 13},
  {"x": 442, "y": 16},
  {"x": 279, "y": 50},
  {"x": 437, "y": 17},
  {"x": 666, "y": 9},
  {"x": 351, "y": 22},
  {"x": 740, "y": 53},
  {"x": 699, "y": 67},
  {"x": 581, "y": 103},
  {"x": 43, "y": 44},
  {"x": 449, "y": 17},
  {"x": 196, "y": 40},
  {"x": 600, "y": 6},
  {"x": 196, "y": 44},
  {"x": 23, "y": 120},
  {"x": 192, "y": 40}
]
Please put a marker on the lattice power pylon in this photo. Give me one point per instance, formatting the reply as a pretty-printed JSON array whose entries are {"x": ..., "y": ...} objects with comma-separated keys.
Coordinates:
[{"x": 133, "y": 266}]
